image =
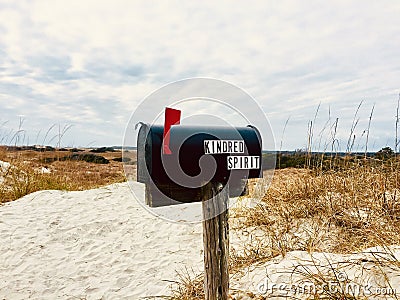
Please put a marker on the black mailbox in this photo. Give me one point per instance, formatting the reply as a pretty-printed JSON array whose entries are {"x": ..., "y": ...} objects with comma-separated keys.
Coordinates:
[{"x": 198, "y": 154}]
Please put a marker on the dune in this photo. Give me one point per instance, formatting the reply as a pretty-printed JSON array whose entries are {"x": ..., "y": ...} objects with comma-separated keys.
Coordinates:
[
  {"x": 101, "y": 244},
  {"x": 91, "y": 244}
]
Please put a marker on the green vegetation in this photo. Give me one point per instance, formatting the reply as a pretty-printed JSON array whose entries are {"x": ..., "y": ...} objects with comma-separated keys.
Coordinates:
[
  {"x": 102, "y": 150},
  {"x": 327, "y": 161},
  {"x": 91, "y": 158}
]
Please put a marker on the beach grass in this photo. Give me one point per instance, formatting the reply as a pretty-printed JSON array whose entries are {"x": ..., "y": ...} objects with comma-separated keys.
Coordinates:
[
  {"x": 29, "y": 172},
  {"x": 336, "y": 211}
]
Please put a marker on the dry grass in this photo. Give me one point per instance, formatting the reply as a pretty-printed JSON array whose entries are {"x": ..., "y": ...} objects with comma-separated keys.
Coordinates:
[
  {"x": 358, "y": 207},
  {"x": 25, "y": 174},
  {"x": 342, "y": 210},
  {"x": 188, "y": 286}
]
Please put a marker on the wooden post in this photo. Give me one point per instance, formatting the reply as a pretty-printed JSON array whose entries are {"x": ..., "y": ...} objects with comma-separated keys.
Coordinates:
[{"x": 216, "y": 241}]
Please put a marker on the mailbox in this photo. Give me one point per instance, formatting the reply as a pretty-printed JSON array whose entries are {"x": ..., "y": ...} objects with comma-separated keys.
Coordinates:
[{"x": 196, "y": 155}]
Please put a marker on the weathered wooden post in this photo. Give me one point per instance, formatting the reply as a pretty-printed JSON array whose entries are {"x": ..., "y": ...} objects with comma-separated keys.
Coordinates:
[{"x": 216, "y": 241}]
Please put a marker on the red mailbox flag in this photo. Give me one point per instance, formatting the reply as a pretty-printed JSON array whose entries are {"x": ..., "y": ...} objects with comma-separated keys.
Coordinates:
[{"x": 172, "y": 117}]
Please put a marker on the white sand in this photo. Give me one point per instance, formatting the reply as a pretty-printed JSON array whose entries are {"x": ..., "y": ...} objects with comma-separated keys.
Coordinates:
[
  {"x": 101, "y": 244},
  {"x": 91, "y": 244},
  {"x": 374, "y": 273},
  {"x": 4, "y": 166},
  {"x": 43, "y": 170}
]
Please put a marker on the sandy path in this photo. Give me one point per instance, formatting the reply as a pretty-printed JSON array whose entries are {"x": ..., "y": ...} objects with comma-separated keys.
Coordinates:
[{"x": 91, "y": 244}]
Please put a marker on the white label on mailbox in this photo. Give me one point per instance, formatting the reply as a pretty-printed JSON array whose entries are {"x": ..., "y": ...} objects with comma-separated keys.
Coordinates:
[
  {"x": 223, "y": 146},
  {"x": 243, "y": 162}
]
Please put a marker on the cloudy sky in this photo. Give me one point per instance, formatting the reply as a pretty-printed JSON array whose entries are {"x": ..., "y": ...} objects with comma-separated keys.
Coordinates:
[{"x": 89, "y": 64}]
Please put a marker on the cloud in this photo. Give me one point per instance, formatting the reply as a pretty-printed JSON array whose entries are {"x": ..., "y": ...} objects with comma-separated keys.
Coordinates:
[{"x": 90, "y": 63}]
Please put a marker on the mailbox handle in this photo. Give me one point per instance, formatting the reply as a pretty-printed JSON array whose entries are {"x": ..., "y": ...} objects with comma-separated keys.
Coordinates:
[{"x": 139, "y": 124}]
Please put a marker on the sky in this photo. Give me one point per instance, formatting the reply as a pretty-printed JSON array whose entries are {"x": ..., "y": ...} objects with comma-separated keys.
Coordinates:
[{"x": 85, "y": 66}]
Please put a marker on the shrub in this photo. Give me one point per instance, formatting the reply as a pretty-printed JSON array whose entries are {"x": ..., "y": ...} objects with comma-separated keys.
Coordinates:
[
  {"x": 88, "y": 157},
  {"x": 102, "y": 150},
  {"x": 385, "y": 153}
]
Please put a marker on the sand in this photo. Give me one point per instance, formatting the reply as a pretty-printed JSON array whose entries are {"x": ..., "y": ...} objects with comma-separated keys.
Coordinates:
[
  {"x": 91, "y": 244},
  {"x": 4, "y": 166},
  {"x": 370, "y": 274},
  {"x": 101, "y": 244}
]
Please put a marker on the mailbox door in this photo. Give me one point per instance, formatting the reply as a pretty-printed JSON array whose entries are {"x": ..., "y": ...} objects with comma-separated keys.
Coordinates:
[{"x": 144, "y": 162}]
